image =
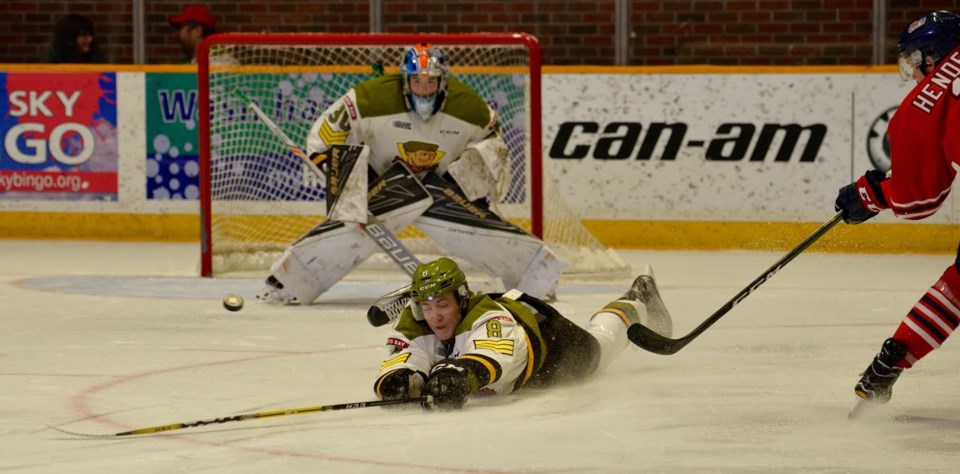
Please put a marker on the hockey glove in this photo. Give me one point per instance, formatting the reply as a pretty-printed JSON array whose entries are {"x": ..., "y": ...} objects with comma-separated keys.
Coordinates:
[
  {"x": 400, "y": 384},
  {"x": 862, "y": 199},
  {"x": 449, "y": 385}
]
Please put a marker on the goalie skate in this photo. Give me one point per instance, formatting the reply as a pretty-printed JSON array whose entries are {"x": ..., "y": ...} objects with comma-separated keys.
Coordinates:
[
  {"x": 273, "y": 293},
  {"x": 644, "y": 290}
]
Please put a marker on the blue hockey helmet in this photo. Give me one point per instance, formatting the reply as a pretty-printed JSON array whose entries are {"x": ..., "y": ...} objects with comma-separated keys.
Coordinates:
[
  {"x": 926, "y": 41},
  {"x": 424, "y": 60}
]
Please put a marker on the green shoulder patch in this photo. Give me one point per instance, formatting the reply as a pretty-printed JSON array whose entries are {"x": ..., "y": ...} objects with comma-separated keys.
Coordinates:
[
  {"x": 465, "y": 104},
  {"x": 380, "y": 96},
  {"x": 479, "y": 305}
]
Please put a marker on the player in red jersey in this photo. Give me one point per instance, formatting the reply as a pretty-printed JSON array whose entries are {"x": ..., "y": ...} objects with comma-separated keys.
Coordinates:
[{"x": 924, "y": 148}]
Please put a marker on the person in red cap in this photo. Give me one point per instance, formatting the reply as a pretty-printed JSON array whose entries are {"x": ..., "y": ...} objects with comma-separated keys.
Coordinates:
[{"x": 193, "y": 25}]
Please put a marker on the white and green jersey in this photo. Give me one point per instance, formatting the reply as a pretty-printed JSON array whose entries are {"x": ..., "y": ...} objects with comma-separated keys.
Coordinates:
[
  {"x": 498, "y": 342},
  {"x": 374, "y": 113}
]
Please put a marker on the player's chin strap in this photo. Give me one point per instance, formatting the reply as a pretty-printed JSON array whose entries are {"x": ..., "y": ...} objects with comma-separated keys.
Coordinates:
[
  {"x": 251, "y": 416},
  {"x": 653, "y": 342}
]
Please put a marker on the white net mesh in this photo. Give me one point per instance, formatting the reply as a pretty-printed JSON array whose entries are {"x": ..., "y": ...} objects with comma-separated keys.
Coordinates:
[{"x": 261, "y": 198}]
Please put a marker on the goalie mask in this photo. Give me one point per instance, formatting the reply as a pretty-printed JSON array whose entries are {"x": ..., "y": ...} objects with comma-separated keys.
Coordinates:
[
  {"x": 438, "y": 278},
  {"x": 428, "y": 65},
  {"x": 926, "y": 41}
]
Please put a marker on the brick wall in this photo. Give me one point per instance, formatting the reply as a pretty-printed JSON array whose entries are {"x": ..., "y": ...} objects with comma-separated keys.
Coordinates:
[{"x": 752, "y": 32}]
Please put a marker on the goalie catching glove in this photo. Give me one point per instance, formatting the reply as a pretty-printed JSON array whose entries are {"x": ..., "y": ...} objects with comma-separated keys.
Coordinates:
[
  {"x": 862, "y": 199},
  {"x": 449, "y": 384}
]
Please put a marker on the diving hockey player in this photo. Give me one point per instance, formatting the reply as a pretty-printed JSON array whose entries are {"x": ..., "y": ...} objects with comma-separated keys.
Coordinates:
[
  {"x": 451, "y": 343},
  {"x": 437, "y": 159},
  {"x": 924, "y": 148}
]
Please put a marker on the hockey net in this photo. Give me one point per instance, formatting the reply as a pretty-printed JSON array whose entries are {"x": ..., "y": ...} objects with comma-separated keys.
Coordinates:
[{"x": 257, "y": 197}]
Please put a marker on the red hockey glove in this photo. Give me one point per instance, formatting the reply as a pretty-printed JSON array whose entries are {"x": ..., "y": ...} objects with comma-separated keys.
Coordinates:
[
  {"x": 862, "y": 199},
  {"x": 449, "y": 385}
]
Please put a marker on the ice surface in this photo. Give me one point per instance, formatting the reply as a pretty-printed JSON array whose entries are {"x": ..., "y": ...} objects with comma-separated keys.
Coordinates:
[{"x": 106, "y": 337}]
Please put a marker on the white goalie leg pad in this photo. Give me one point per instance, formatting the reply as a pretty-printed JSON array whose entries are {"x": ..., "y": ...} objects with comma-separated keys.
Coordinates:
[
  {"x": 313, "y": 265},
  {"x": 541, "y": 275},
  {"x": 398, "y": 219},
  {"x": 520, "y": 260},
  {"x": 351, "y": 203},
  {"x": 610, "y": 330}
]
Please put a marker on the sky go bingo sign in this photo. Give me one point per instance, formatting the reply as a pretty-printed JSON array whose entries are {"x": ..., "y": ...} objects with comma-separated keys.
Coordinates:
[{"x": 59, "y": 135}]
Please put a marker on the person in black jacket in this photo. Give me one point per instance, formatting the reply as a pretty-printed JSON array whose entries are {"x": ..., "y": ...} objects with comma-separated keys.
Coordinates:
[{"x": 74, "y": 42}]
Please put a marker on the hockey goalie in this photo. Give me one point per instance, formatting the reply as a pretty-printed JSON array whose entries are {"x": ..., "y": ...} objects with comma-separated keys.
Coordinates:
[{"x": 415, "y": 147}]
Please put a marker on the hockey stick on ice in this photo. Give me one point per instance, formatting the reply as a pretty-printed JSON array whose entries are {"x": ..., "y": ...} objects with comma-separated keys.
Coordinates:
[
  {"x": 252, "y": 416},
  {"x": 374, "y": 229},
  {"x": 653, "y": 342}
]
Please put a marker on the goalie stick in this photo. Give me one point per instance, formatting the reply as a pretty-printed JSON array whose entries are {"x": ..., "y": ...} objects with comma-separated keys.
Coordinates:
[
  {"x": 648, "y": 339},
  {"x": 374, "y": 229},
  {"x": 251, "y": 416}
]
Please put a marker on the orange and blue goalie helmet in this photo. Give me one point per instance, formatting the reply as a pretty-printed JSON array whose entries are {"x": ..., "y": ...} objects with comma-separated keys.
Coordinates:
[{"x": 424, "y": 60}]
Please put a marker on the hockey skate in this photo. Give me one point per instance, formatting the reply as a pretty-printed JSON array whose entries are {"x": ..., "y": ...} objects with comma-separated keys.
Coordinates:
[
  {"x": 644, "y": 290},
  {"x": 876, "y": 383},
  {"x": 273, "y": 293}
]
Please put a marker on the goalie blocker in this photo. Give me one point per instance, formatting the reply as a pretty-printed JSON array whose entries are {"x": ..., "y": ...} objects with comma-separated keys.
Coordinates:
[{"x": 326, "y": 253}]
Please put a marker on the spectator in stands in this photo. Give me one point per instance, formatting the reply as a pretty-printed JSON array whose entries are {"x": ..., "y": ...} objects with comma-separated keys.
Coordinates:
[
  {"x": 73, "y": 42},
  {"x": 193, "y": 25}
]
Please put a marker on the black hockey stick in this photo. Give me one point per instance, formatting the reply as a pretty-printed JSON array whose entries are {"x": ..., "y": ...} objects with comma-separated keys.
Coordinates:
[
  {"x": 374, "y": 229},
  {"x": 653, "y": 342},
  {"x": 388, "y": 307},
  {"x": 252, "y": 416}
]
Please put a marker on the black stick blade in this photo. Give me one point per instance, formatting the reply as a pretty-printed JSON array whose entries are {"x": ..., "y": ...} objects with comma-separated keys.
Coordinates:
[
  {"x": 377, "y": 317},
  {"x": 649, "y": 340}
]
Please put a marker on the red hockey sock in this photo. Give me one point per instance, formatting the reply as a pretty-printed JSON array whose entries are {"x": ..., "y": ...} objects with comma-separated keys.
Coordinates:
[{"x": 932, "y": 319}]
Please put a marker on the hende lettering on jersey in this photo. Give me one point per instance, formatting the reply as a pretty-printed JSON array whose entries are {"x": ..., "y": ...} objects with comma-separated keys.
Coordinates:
[{"x": 944, "y": 80}]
